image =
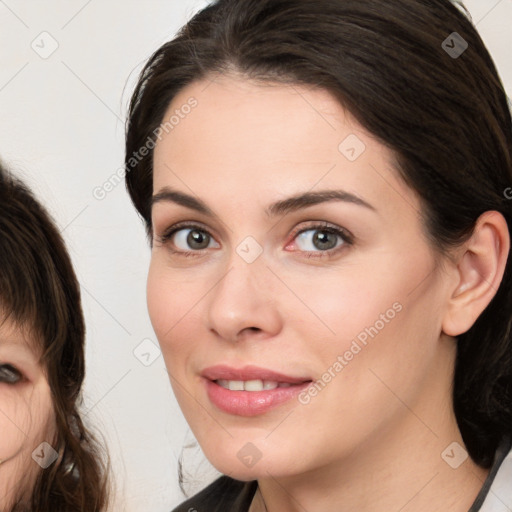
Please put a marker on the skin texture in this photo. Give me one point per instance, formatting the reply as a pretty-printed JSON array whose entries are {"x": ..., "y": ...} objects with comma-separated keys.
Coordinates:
[
  {"x": 372, "y": 438},
  {"x": 25, "y": 411}
]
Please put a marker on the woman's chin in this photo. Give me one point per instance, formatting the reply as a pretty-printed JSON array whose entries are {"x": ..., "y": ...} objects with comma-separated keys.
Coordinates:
[{"x": 250, "y": 465}]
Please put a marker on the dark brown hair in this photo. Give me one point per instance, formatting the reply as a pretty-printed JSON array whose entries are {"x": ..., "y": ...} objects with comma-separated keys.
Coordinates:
[
  {"x": 39, "y": 292},
  {"x": 444, "y": 115}
]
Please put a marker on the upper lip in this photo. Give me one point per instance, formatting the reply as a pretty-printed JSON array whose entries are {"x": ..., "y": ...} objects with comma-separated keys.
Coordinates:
[{"x": 249, "y": 372}]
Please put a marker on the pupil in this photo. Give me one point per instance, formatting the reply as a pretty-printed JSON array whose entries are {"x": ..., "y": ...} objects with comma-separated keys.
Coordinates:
[
  {"x": 197, "y": 240},
  {"x": 322, "y": 238}
]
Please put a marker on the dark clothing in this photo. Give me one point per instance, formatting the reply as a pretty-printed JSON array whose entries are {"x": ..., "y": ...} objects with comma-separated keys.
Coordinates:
[{"x": 223, "y": 495}]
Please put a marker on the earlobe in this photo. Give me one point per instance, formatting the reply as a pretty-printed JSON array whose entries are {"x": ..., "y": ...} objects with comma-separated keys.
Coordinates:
[{"x": 480, "y": 269}]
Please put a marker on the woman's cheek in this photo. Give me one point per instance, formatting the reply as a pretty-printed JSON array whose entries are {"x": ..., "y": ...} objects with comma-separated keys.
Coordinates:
[
  {"x": 342, "y": 306},
  {"x": 15, "y": 421},
  {"x": 171, "y": 300},
  {"x": 157, "y": 297}
]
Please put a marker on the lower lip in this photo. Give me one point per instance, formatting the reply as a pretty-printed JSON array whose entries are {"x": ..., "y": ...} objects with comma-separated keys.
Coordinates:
[{"x": 250, "y": 403}]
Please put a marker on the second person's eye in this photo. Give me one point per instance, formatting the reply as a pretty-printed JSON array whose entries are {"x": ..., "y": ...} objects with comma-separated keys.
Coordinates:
[{"x": 9, "y": 374}]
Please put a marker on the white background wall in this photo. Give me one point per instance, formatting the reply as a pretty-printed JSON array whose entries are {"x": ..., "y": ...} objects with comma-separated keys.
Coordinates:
[{"x": 61, "y": 129}]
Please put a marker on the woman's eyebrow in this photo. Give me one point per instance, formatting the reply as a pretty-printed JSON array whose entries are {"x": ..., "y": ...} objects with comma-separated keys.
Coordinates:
[
  {"x": 306, "y": 199},
  {"x": 281, "y": 207}
]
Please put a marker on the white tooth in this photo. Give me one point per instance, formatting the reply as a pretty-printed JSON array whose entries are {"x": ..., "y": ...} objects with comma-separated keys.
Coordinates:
[
  {"x": 236, "y": 385},
  {"x": 249, "y": 385},
  {"x": 223, "y": 383},
  {"x": 253, "y": 385}
]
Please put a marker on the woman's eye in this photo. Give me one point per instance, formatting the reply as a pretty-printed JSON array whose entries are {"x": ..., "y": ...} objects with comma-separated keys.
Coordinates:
[
  {"x": 321, "y": 239},
  {"x": 190, "y": 238},
  {"x": 9, "y": 374}
]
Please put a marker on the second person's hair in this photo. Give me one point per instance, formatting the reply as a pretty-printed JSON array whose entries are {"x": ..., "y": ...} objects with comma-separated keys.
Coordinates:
[{"x": 39, "y": 291}]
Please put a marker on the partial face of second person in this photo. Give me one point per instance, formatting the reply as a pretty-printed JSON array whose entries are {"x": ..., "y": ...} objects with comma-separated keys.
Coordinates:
[
  {"x": 326, "y": 273},
  {"x": 26, "y": 409}
]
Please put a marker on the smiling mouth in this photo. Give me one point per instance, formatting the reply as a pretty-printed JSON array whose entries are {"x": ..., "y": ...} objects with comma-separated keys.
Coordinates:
[{"x": 251, "y": 397}]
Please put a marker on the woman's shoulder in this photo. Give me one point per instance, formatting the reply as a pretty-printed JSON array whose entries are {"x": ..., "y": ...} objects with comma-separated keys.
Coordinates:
[{"x": 223, "y": 494}]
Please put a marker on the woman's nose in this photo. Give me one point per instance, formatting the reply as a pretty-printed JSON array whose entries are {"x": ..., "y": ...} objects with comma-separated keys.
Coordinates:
[{"x": 245, "y": 301}]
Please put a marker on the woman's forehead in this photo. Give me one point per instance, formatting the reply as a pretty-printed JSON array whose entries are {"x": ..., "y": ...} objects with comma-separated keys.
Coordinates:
[
  {"x": 244, "y": 139},
  {"x": 239, "y": 125},
  {"x": 18, "y": 338}
]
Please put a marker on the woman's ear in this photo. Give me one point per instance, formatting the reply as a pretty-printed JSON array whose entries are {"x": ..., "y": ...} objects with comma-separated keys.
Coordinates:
[{"x": 480, "y": 267}]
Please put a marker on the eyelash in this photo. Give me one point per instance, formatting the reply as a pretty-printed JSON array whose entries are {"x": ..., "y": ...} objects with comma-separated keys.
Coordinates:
[{"x": 326, "y": 227}]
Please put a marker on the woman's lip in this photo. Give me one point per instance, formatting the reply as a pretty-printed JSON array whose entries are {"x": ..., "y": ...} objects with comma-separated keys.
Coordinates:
[
  {"x": 224, "y": 372},
  {"x": 250, "y": 403}
]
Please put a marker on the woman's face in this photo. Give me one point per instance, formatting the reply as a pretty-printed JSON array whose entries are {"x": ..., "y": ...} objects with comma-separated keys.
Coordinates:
[
  {"x": 284, "y": 240},
  {"x": 25, "y": 411}
]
